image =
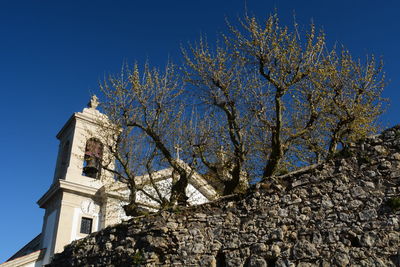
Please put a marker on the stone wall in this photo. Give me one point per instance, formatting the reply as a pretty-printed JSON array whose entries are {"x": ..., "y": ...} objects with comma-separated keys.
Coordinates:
[{"x": 340, "y": 213}]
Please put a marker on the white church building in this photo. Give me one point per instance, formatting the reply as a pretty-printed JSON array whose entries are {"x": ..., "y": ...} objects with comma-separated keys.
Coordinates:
[{"x": 82, "y": 198}]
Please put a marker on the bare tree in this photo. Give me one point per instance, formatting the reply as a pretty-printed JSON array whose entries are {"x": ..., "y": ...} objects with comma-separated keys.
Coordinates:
[
  {"x": 221, "y": 83},
  {"x": 147, "y": 112},
  {"x": 263, "y": 100},
  {"x": 355, "y": 98},
  {"x": 304, "y": 98}
]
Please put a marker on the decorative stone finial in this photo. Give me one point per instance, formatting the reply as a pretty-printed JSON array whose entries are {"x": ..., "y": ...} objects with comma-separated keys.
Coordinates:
[{"x": 94, "y": 102}]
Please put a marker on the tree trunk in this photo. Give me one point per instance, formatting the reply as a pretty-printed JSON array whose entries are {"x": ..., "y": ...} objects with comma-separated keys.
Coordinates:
[
  {"x": 178, "y": 190},
  {"x": 233, "y": 183},
  {"x": 276, "y": 144}
]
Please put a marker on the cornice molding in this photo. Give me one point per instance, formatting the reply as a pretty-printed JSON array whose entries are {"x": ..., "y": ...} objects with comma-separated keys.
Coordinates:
[
  {"x": 66, "y": 186},
  {"x": 32, "y": 257}
]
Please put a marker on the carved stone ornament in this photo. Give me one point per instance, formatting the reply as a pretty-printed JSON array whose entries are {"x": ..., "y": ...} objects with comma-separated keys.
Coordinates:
[{"x": 94, "y": 102}]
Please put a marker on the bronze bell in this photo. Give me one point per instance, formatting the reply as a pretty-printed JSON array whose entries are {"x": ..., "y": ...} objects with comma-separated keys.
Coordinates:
[
  {"x": 93, "y": 156},
  {"x": 92, "y": 166}
]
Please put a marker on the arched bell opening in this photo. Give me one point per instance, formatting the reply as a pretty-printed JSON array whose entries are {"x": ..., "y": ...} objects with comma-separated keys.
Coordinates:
[{"x": 92, "y": 159}]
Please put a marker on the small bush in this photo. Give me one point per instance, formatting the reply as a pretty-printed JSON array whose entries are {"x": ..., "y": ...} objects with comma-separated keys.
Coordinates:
[
  {"x": 137, "y": 258},
  {"x": 394, "y": 203}
]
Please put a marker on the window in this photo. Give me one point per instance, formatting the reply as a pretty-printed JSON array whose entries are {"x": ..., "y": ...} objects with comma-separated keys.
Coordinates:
[
  {"x": 93, "y": 157},
  {"x": 86, "y": 225}
]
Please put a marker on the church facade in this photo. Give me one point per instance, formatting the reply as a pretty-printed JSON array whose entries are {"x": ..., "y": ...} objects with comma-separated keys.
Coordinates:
[{"x": 83, "y": 198}]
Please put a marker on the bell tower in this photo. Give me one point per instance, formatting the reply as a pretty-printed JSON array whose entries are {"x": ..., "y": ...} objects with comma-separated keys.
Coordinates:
[
  {"x": 84, "y": 197},
  {"x": 75, "y": 202},
  {"x": 80, "y": 150}
]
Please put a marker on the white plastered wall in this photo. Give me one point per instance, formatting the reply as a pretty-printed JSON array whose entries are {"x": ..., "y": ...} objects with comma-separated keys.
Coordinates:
[
  {"x": 115, "y": 213},
  {"x": 48, "y": 234},
  {"x": 77, "y": 219}
]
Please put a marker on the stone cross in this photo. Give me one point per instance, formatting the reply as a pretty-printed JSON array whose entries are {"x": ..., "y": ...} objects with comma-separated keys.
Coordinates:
[{"x": 178, "y": 148}]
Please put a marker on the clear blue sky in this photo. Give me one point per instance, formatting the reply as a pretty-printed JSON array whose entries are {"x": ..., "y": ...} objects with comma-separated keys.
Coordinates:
[{"x": 52, "y": 54}]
